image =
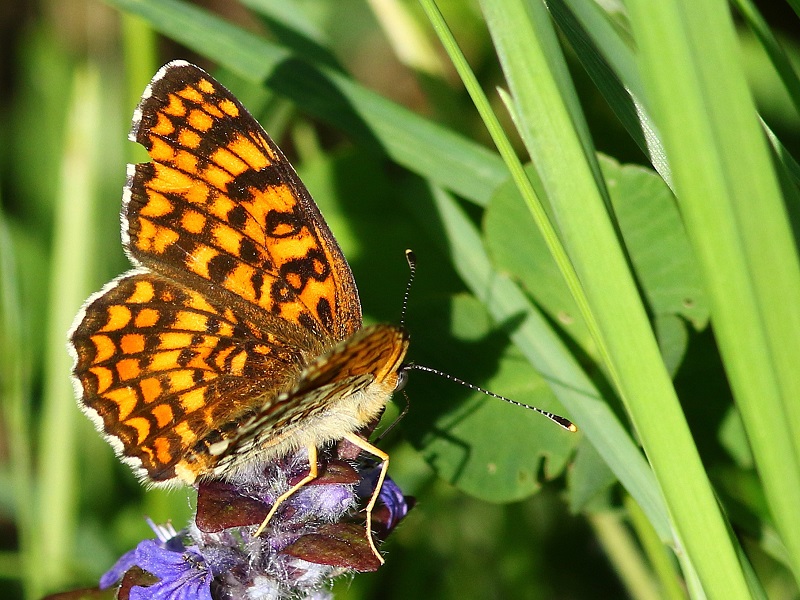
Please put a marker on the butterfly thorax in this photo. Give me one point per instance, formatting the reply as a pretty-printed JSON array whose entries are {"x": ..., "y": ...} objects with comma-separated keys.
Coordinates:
[{"x": 341, "y": 391}]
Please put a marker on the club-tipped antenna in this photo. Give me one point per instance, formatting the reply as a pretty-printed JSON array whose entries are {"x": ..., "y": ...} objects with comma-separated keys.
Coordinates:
[
  {"x": 557, "y": 419},
  {"x": 412, "y": 268}
]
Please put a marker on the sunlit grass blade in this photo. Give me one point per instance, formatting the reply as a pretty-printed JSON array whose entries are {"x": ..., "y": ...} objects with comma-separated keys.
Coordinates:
[
  {"x": 658, "y": 364},
  {"x": 58, "y": 496},
  {"x": 734, "y": 214},
  {"x": 557, "y": 144},
  {"x": 560, "y": 147},
  {"x": 777, "y": 55},
  {"x": 532, "y": 197},
  {"x": 609, "y": 59},
  {"x": 451, "y": 160},
  {"x": 610, "y": 448}
]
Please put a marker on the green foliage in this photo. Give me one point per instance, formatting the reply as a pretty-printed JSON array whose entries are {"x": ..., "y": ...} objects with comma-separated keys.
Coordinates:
[{"x": 581, "y": 284}]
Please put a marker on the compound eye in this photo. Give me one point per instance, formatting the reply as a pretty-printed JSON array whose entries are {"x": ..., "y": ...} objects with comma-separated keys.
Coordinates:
[{"x": 402, "y": 379}]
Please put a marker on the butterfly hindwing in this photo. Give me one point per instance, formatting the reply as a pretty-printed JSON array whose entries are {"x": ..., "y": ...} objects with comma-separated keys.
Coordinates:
[{"x": 162, "y": 368}]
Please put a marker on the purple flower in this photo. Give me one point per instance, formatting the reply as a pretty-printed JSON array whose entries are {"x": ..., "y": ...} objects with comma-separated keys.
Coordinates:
[
  {"x": 183, "y": 575},
  {"x": 391, "y": 496},
  {"x": 317, "y": 534},
  {"x": 167, "y": 537},
  {"x": 114, "y": 574}
]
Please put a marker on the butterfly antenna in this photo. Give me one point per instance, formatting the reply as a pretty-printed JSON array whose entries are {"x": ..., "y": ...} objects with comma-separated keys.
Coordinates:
[
  {"x": 557, "y": 419},
  {"x": 403, "y": 372},
  {"x": 412, "y": 267}
]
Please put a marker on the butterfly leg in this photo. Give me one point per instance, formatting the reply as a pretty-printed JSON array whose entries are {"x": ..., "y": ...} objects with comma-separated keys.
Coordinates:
[
  {"x": 312, "y": 474},
  {"x": 367, "y": 447}
]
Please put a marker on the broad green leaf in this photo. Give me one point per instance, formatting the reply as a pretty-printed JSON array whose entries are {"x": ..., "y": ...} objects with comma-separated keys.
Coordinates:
[
  {"x": 543, "y": 348},
  {"x": 516, "y": 246},
  {"x": 589, "y": 479},
  {"x": 655, "y": 240},
  {"x": 486, "y": 447}
]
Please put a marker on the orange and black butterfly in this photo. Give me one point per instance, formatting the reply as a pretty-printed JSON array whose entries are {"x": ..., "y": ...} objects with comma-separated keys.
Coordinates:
[{"x": 237, "y": 337}]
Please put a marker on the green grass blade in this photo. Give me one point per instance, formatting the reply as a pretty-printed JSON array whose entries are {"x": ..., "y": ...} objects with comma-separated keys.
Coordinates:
[
  {"x": 609, "y": 59},
  {"x": 787, "y": 160},
  {"x": 407, "y": 37},
  {"x": 139, "y": 54},
  {"x": 294, "y": 30},
  {"x": 554, "y": 135},
  {"x": 451, "y": 160},
  {"x": 289, "y": 13},
  {"x": 734, "y": 214},
  {"x": 57, "y": 502},
  {"x": 772, "y": 47},
  {"x": 533, "y": 198},
  {"x": 608, "y": 54},
  {"x": 611, "y": 442},
  {"x": 16, "y": 411}
]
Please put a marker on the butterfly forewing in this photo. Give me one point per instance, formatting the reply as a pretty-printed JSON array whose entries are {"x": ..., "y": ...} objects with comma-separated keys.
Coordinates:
[{"x": 220, "y": 203}]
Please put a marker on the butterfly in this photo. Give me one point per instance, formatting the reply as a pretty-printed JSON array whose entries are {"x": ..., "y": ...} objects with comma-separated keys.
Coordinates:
[{"x": 237, "y": 337}]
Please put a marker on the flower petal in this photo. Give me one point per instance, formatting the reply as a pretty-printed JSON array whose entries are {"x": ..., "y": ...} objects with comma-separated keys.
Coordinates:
[
  {"x": 115, "y": 573},
  {"x": 183, "y": 575}
]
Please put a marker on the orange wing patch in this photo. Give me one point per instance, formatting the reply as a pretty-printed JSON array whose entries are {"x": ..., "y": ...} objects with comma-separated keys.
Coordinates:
[
  {"x": 221, "y": 203},
  {"x": 164, "y": 382}
]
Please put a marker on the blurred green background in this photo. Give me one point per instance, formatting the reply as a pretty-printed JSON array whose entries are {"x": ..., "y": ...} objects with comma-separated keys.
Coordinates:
[{"x": 495, "y": 517}]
